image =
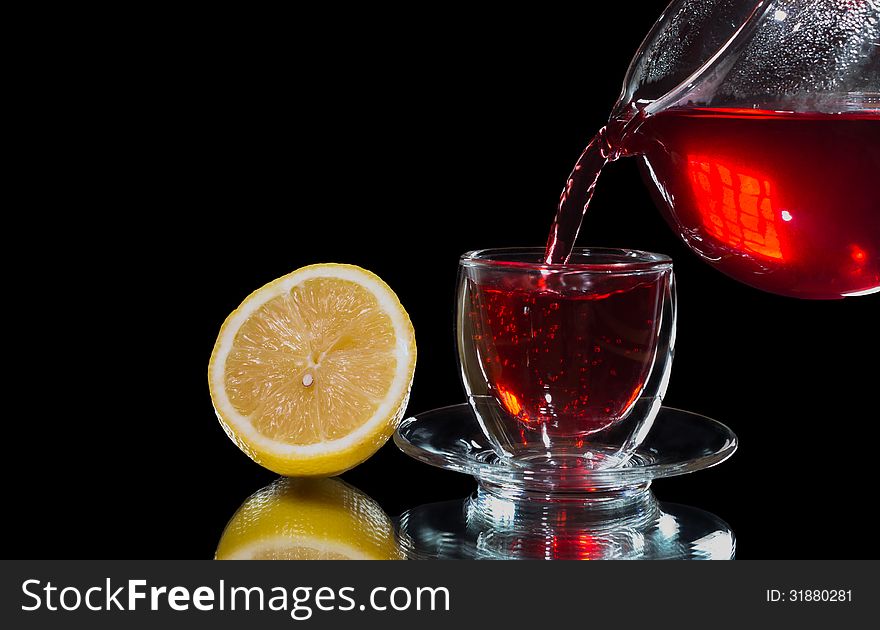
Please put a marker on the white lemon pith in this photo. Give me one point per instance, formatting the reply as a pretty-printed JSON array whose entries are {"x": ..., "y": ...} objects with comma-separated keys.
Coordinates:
[{"x": 311, "y": 374}]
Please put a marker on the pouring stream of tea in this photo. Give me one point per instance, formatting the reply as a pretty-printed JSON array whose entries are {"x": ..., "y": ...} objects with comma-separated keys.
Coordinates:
[{"x": 579, "y": 187}]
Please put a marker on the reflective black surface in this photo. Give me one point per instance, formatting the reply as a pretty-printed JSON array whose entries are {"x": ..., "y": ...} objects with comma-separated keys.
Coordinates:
[
  {"x": 209, "y": 180},
  {"x": 646, "y": 530}
]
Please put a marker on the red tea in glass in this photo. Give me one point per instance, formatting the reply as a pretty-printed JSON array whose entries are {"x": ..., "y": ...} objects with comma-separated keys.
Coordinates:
[
  {"x": 555, "y": 357},
  {"x": 572, "y": 361}
]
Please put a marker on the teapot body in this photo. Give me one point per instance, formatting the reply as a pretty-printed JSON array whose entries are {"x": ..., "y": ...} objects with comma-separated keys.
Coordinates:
[{"x": 757, "y": 125}]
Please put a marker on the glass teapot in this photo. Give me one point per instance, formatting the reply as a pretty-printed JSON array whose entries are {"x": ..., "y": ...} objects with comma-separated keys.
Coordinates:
[{"x": 757, "y": 127}]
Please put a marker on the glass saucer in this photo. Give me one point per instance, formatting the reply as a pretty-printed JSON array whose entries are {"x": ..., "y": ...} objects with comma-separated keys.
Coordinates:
[
  {"x": 679, "y": 442},
  {"x": 485, "y": 528}
]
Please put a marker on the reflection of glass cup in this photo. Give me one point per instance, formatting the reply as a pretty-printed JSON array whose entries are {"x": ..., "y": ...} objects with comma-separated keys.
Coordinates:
[{"x": 566, "y": 364}]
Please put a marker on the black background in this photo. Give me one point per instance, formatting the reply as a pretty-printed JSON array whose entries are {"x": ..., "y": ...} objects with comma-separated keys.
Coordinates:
[{"x": 171, "y": 182}]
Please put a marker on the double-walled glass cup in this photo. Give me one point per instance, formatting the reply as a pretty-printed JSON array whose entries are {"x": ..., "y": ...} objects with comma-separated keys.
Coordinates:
[{"x": 566, "y": 364}]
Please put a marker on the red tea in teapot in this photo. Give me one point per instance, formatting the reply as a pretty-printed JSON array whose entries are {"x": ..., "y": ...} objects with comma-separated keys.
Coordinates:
[{"x": 785, "y": 202}]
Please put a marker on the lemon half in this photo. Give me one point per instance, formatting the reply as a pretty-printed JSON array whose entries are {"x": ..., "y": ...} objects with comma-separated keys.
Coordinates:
[{"x": 311, "y": 374}]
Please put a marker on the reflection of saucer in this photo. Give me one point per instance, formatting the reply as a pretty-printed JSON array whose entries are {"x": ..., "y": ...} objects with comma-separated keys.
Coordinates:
[
  {"x": 679, "y": 442},
  {"x": 471, "y": 530}
]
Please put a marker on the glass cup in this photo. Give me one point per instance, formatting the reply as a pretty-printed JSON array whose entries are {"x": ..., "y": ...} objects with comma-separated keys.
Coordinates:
[{"x": 565, "y": 364}]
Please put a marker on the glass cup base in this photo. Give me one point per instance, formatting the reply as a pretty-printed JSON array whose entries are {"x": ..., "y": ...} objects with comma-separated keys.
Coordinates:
[{"x": 609, "y": 448}]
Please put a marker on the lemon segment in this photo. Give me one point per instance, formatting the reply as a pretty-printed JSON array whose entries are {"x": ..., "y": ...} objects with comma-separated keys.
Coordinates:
[{"x": 311, "y": 374}]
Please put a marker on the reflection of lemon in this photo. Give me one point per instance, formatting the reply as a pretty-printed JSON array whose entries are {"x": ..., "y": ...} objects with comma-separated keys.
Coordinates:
[
  {"x": 311, "y": 374},
  {"x": 308, "y": 519}
]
